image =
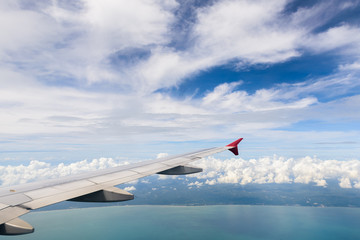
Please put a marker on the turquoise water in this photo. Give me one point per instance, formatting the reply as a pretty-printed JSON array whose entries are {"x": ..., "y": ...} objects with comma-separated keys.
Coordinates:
[{"x": 198, "y": 222}]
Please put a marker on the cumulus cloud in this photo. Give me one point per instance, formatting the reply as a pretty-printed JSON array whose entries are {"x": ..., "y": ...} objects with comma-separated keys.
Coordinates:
[
  {"x": 196, "y": 184},
  {"x": 307, "y": 170},
  {"x": 132, "y": 188},
  {"x": 36, "y": 170},
  {"x": 279, "y": 170}
]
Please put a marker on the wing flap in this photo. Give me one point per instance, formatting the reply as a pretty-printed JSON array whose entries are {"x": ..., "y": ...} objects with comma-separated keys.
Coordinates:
[
  {"x": 10, "y": 213},
  {"x": 62, "y": 196},
  {"x": 2, "y": 206},
  {"x": 43, "y": 192},
  {"x": 15, "y": 199}
]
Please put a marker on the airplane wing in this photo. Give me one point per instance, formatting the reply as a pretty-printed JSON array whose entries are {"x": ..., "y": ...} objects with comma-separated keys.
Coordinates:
[{"x": 96, "y": 186}]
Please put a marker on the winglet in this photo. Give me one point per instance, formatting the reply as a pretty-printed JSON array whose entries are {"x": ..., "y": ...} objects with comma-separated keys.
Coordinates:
[{"x": 234, "y": 146}]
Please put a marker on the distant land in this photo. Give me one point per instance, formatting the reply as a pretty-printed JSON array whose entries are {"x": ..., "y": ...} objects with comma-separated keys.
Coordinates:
[{"x": 177, "y": 192}]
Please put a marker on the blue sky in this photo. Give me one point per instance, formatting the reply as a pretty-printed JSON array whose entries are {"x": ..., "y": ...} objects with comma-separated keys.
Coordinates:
[{"x": 130, "y": 79}]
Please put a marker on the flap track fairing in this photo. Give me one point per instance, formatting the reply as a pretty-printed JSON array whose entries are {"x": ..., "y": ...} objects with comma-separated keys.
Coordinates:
[
  {"x": 112, "y": 194},
  {"x": 181, "y": 170},
  {"x": 16, "y": 226}
]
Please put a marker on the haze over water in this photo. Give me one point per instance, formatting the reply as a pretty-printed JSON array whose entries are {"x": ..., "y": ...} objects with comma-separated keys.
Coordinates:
[{"x": 200, "y": 222}]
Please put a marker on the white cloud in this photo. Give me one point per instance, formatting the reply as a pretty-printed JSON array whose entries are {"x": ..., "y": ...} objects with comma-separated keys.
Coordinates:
[
  {"x": 210, "y": 182},
  {"x": 88, "y": 36},
  {"x": 78, "y": 43},
  {"x": 280, "y": 170},
  {"x": 161, "y": 155},
  {"x": 132, "y": 188},
  {"x": 50, "y": 45},
  {"x": 336, "y": 37},
  {"x": 350, "y": 66},
  {"x": 89, "y": 42},
  {"x": 36, "y": 170},
  {"x": 276, "y": 169},
  {"x": 345, "y": 182},
  {"x": 225, "y": 97},
  {"x": 25, "y": 30},
  {"x": 125, "y": 26},
  {"x": 251, "y": 28},
  {"x": 196, "y": 184},
  {"x": 30, "y": 108},
  {"x": 116, "y": 25},
  {"x": 247, "y": 33},
  {"x": 253, "y": 39}
]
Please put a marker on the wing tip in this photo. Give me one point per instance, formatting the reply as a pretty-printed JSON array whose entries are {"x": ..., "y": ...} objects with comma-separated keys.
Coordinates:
[
  {"x": 233, "y": 147},
  {"x": 234, "y": 143}
]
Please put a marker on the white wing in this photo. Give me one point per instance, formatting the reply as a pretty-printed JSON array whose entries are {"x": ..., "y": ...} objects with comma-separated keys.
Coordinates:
[{"x": 97, "y": 186}]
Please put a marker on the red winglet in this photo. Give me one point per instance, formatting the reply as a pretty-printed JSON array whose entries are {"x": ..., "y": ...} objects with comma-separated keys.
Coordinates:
[{"x": 234, "y": 146}]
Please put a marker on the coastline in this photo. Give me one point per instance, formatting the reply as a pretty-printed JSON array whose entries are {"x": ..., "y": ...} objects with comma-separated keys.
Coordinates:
[{"x": 199, "y": 206}]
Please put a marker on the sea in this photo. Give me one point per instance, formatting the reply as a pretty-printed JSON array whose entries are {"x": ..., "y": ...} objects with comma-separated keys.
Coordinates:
[{"x": 195, "y": 222}]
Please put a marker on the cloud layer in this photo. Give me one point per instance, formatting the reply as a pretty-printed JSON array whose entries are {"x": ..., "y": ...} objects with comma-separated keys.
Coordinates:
[
  {"x": 36, "y": 170},
  {"x": 279, "y": 170},
  {"x": 307, "y": 170}
]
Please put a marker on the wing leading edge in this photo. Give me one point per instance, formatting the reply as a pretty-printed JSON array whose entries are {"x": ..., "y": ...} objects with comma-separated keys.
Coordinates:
[{"x": 97, "y": 186}]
